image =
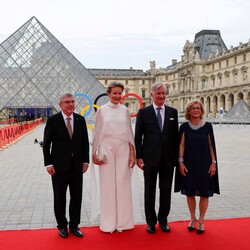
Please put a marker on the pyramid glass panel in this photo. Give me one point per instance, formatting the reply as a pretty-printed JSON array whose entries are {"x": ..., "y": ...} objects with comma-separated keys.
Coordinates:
[{"x": 36, "y": 69}]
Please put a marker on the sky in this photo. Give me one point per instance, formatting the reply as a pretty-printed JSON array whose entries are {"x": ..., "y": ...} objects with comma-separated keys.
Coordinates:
[{"x": 119, "y": 34}]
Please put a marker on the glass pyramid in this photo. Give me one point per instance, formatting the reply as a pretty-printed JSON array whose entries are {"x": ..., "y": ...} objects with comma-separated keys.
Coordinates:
[
  {"x": 36, "y": 69},
  {"x": 240, "y": 111}
]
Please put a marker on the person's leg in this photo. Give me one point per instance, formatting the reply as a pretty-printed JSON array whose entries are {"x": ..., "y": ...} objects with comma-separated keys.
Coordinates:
[
  {"x": 165, "y": 186},
  {"x": 191, "y": 201},
  {"x": 75, "y": 189},
  {"x": 192, "y": 207},
  {"x": 203, "y": 209},
  {"x": 107, "y": 188},
  {"x": 60, "y": 184},
  {"x": 150, "y": 177},
  {"x": 125, "y": 218}
]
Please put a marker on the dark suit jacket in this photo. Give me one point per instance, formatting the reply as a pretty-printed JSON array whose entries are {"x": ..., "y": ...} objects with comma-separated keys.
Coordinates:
[
  {"x": 151, "y": 143},
  {"x": 59, "y": 148}
]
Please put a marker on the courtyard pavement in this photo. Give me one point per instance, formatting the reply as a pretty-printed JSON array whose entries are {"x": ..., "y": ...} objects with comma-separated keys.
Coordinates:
[{"x": 26, "y": 198}]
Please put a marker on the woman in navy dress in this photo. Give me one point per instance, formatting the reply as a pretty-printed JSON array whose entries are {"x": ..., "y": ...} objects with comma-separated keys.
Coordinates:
[{"x": 198, "y": 168}]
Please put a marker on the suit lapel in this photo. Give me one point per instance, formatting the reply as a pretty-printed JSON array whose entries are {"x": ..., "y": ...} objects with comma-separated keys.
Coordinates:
[
  {"x": 76, "y": 123},
  {"x": 167, "y": 117}
]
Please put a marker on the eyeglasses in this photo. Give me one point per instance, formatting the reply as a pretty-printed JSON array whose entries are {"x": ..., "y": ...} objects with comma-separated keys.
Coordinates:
[{"x": 196, "y": 108}]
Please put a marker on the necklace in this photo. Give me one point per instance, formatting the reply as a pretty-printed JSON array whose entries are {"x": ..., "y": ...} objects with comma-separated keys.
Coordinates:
[{"x": 195, "y": 127}]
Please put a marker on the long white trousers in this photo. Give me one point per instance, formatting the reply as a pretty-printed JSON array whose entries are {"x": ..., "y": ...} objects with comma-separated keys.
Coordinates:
[{"x": 115, "y": 187}]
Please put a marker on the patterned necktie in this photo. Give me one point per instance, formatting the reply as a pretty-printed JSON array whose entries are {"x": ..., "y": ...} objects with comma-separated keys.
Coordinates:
[
  {"x": 159, "y": 119},
  {"x": 69, "y": 127}
]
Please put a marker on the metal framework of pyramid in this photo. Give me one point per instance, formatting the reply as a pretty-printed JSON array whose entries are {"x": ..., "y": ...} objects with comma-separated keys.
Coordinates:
[
  {"x": 36, "y": 69},
  {"x": 240, "y": 111}
]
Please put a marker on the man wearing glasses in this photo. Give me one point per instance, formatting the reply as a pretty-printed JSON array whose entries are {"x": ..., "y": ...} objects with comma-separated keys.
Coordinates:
[{"x": 66, "y": 158}]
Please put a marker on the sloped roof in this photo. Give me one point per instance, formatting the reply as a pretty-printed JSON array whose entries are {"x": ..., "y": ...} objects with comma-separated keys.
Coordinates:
[
  {"x": 208, "y": 43},
  {"x": 117, "y": 72}
]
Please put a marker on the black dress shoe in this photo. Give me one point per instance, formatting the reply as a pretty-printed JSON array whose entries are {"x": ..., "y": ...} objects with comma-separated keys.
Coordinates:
[
  {"x": 63, "y": 233},
  {"x": 165, "y": 228},
  {"x": 77, "y": 232},
  {"x": 151, "y": 229}
]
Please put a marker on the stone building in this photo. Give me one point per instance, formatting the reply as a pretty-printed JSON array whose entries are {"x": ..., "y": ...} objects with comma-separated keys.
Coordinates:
[
  {"x": 135, "y": 81},
  {"x": 36, "y": 69},
  {"x": 208, "y": 71}
]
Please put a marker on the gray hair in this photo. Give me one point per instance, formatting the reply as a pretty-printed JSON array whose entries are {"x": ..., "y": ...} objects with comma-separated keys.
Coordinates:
[
  {"x": 157, "y": 85},
  {"x": 65, "y": 95}
]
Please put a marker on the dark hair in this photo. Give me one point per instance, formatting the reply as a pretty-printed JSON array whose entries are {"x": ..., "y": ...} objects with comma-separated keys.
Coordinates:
[{"x": 113, "y": 85}]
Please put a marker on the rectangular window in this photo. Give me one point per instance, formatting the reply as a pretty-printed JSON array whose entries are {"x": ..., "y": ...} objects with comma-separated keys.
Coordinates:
[{"x": 143, "y": 93}]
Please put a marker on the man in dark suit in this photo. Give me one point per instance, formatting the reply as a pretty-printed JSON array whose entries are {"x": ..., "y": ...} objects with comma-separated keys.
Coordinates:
[
  {"x": 66, "y": 158},
  {"x": 156, "y": 142}
]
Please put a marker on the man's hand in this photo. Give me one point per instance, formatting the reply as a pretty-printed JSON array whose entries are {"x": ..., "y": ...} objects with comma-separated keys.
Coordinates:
[
  {"x": 140, "y": 163},
  {"x": 85, "y": 167},
  {"x": 51, "y": 170}
]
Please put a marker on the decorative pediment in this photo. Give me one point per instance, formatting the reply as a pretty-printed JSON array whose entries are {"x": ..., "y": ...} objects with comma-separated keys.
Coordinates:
[{"x": 190, "y": 52}]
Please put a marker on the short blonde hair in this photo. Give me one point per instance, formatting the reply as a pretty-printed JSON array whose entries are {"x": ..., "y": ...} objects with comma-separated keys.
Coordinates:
[
  {"x": 189, "y": 107},
  {"x": 113, "y": 85}
]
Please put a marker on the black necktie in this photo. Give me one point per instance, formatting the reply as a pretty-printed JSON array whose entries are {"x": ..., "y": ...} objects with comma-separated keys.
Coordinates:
[{"x": 159, "y": 119}]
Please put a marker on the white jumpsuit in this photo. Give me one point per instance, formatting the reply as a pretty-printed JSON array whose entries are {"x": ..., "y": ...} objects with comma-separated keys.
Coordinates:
[{"x": 113, "y": 133}]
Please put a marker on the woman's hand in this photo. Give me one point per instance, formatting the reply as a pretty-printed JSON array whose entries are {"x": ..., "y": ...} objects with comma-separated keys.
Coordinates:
[
  {"x": 96, "y": 160},
  {"x": 131, "y": 159},
  {"x": 183, "y": 169},
  {"x": 212, "y": 169}
]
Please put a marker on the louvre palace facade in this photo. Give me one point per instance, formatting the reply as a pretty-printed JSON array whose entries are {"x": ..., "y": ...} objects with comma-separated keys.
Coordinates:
[
  {"x": 208, "y": 71},
  {"x": 35, "y": 69}
]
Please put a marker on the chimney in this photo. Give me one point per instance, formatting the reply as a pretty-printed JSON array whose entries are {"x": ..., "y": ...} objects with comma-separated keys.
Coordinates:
[{"x": 174, "y": 61}]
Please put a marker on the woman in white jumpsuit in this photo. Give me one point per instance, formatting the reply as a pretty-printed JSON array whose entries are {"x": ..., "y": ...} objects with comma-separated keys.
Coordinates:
[{"x": 113, "y": 137}]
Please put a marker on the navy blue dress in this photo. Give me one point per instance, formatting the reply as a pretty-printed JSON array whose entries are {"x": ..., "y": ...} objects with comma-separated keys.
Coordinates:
[{"x": 197, "y": 160}]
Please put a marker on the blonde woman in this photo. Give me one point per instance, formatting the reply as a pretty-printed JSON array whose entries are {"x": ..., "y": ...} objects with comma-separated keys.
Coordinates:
[{"x": 198, "y": 168}]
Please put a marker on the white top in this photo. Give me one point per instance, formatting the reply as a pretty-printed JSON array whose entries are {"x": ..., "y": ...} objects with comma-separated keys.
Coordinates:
[{"x": 112, "y": 120}]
